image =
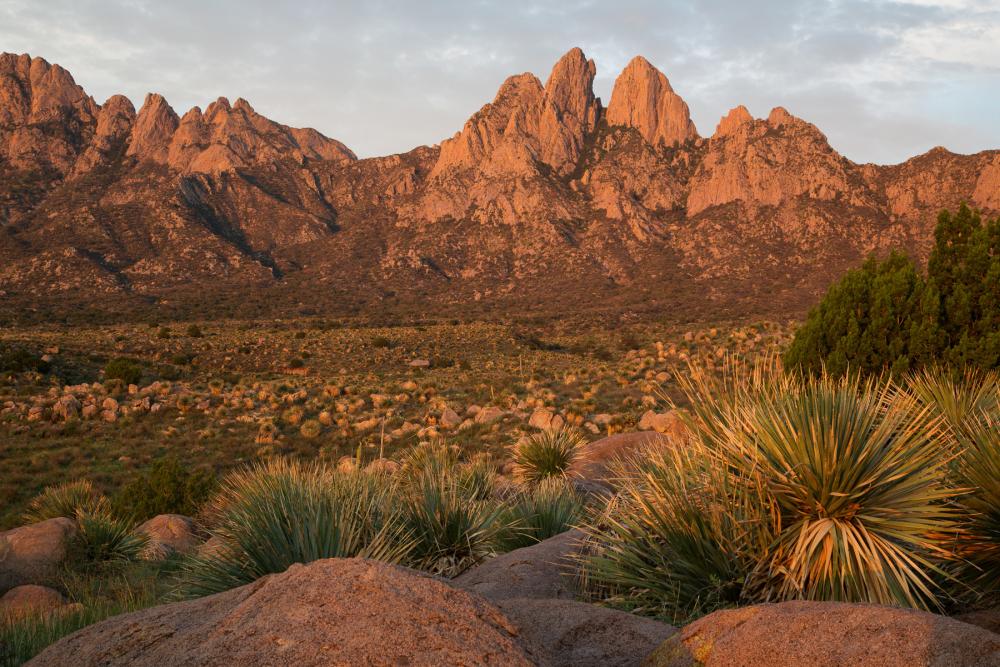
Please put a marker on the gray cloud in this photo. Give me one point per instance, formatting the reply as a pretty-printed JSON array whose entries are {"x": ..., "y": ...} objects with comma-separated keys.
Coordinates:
[{"x": 883, "y": 80}]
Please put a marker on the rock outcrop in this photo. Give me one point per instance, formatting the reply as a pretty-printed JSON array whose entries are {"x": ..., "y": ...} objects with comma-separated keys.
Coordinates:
[
  {"x": 643, "y": 99},
  {"x": 168, "y": 534},
  {"x": 827, "y": 634},
  {"x": 329, "y": 612}
]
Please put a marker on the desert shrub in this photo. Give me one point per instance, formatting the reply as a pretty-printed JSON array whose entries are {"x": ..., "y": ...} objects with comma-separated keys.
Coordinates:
[
  {"x": 269, "y": 516},
  {"x": 450, "y": 529},
  {"x": 64, "y": 500},
  {"x": 382, "y": 342},
  {"x": 540, "y": 512},
  {"x": 957, "y": 398},
  {"x": 310, "y": 429},
  {"x": 547, "y": 454},
  {"x": 126, "y": 370},
  {"x": 168, "y": 487},
  {"x": 297, "y": 362},
  {"x": 104, "y": 538},
  {"x": 795, "y": 488},
  {"x": 15, "y": 359},
  {"x": 163, "y": 333},
  {"x": 194, "y": 331},
  {"x": 887, "y": 316}
]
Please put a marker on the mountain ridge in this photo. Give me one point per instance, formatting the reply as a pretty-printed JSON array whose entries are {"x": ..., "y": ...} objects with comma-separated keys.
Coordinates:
[{"x": 544, "y": 199}]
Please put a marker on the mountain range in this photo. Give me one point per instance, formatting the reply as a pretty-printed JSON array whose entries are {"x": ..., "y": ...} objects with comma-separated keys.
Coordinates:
[{"x": 546, "y": 201}]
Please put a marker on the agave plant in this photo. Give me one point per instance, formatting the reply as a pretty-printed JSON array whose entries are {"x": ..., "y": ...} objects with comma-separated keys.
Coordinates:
[
  {"x": 547, "y": 454},
  {"x": 272, "y": 515},
  {"x": 543, "y": 511},
  {"x": 65, "y": 500}
]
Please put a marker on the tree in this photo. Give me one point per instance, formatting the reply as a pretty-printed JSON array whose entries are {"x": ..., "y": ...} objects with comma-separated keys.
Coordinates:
[{"x": 887, "y": 316}]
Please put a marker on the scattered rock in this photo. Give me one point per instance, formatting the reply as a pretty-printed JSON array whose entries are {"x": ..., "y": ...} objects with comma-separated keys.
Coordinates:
[
  {"x": 168, "y": 534},
  {"x": 488, "y": 414},
  {"x": 29, "y": 554},
  {"x": 30, "y": 600},
  {"x": 449, "y": 418},
  {"x": 420, "y": 363},
  {"x": 668, "y": 423},
  {"x": 335, "y": 611},
  {"x": 827, "y": 634}
]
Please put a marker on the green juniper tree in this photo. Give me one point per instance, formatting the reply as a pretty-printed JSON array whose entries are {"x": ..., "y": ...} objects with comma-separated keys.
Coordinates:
[{"x": 887, "y": 316}]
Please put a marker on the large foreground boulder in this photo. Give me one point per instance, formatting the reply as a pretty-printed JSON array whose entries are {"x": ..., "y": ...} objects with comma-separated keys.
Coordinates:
[
  {"x": 329, "y": 612},
  {"x": 543, "y": 570},
  {"x": 575, "y": 634},
  {"x": 30, "y": 554},
  {"x": 534, "y": 588},
  {"x": 827, "y": 634},
  {"x": 984, "y": 618}
]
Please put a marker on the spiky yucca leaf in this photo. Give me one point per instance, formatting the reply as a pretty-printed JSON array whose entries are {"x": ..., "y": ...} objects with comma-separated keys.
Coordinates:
[
  {"x": 65, "y": 500},
  {"x": 269, "y": 516},
  {"x": 547, "y": 454},
  {"x": 957, "y": 399},
  {"x": 979, "y": 469}
]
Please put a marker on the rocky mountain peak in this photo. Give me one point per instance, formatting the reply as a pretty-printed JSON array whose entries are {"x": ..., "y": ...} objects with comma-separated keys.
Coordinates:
[
  {"x": 154, "y": 127},
  {"x": 643, "y": 99},
  {"x": 570, "y": 110},
  {"x": 732, "y": 121}
]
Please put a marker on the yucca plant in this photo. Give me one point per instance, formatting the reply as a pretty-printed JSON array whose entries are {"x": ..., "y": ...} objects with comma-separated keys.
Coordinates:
[
  {"x": 65, "y": 500},
  {"x": 269, "y": 516},
  {"x": 680, "y": 538},
  {"x": 856, "y": 472},
  {"x": 847, "y": 477},
  {"x": 547, "y": 454},
  {"x": 104, "y": 538},
  {"x": 545, "y": 510},
  {"x": 451, "y": 529},
  {"x": 979, "y": 470}
]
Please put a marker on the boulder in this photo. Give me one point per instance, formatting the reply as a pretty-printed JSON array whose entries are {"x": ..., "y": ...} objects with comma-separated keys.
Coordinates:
[
  {"x": 29, "y": 554},
  {"x": 329, "y": 612},
  {"x": 593, "y": 463},
  {"x": 568, "y": 633},
  {"x": 538, "y": 571},
  {"x": 827, "y": 634},
  {"x": 168, "y": 534},
  {"x": 30, "y": 600},
  {"x": 488, "y": 414},
  {"x": 449, "y": 418}
]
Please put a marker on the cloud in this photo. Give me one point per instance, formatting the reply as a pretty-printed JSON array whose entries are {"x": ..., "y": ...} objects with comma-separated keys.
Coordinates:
[{"x": 884, "y": 80}]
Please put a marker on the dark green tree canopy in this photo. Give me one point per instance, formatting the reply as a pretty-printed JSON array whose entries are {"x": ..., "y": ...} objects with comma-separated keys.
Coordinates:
[{"x": 887, "y": 316}]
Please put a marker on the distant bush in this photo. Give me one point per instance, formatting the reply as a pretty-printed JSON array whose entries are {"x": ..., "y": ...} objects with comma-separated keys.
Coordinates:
[
  {"x": 296, "y": 363},
  {"x": 126, "y": 370},
  {"x": 194, "y": 331},
  {"x": 382, "y": 342},
  {"x": 163, "y": 333},
  {"x": 167, "y": 488},
  {"x": 887, "y": 316}
]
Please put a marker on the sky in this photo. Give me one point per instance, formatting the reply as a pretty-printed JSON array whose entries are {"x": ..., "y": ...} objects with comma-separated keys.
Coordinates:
[{"x": 883, "y": 80}]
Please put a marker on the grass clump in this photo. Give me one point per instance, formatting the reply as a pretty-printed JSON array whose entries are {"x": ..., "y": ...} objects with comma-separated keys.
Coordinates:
[
  {"x": 547, "y": 454},
  {"x": 543, "y": 511},
  {"x": 979, "y": 470},
  {"x": 64, "y": 500},
  {"x": 269, "y": 516},
  {"x": 103, "y": 538}
]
